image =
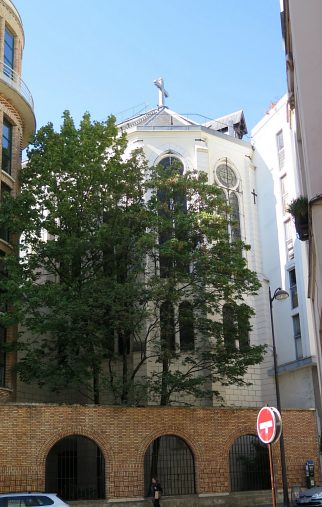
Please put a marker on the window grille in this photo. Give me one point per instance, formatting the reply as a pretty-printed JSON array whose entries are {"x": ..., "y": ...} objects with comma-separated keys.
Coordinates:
[
  {"x": 249, "y": 464},
  {"x": 170, "y": 460},
  {"x": 75, "y": 469}
]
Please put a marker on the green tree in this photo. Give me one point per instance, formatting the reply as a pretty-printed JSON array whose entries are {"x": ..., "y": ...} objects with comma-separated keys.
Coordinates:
[{"x": 115, "y": 261}]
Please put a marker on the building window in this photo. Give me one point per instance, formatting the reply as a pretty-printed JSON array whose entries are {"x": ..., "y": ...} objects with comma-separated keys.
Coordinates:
[
  {"x": 9, "y": 49},
  {"x": 186, "y": 326},
  {"x": 172, "y": 203},
  {"x": 167, "y": 327},
  {"x": 234, "y": 217},
  {"x": 288, "y": 231},
  {"x": 2, "y": 356},
  {"x": 280, "y": 149},
  {"x": 284, "y": 194},
  {"x": 293, "y": 288},
  {"x": 226, "y": 176},
  {"x": 6, "y": 146},
  {"x": 297, "y": 336},
  {"x": 229, "y": 326},
  {"x": 236, "y": 327},
  {"x": 4, "y": 231}
]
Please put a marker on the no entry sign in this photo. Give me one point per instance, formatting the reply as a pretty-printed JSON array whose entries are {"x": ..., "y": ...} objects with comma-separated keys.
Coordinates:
[{"x": 269, "y": 425}]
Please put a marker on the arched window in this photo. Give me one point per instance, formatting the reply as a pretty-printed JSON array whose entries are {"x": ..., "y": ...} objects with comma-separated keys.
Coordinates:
[
  {"x": 172, "y": 203},
  {"x": 75, "y": 469},
  {"x": 171, "y": 460},
  {"x": 186, "y": 326},
  {"x": 167, "y": 326},
  {"x": 234, "y": 217},
  {"x": 227, "y": 178},
  {"x": 236, "y": 326},
  {"x": 249, "y": 464}
]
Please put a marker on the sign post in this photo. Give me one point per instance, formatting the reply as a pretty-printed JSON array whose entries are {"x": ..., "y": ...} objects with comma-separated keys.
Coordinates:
[{"x": 269, "y": 429}]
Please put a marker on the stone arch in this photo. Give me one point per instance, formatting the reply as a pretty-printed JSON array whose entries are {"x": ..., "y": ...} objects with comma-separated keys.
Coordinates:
[
  {"x": 173, "y": 154},
  {"x": 177, "y": 152}
]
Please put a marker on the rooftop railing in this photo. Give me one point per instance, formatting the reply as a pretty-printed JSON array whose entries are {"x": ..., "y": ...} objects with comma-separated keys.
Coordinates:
[{"x": 13, "y": 79}]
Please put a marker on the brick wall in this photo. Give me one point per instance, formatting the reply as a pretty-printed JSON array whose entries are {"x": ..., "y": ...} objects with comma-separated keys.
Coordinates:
[{"x": 27, "y": 433}]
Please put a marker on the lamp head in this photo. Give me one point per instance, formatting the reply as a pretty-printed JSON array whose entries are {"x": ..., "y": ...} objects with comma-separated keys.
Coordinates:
[{"x": 280, "y": 294}]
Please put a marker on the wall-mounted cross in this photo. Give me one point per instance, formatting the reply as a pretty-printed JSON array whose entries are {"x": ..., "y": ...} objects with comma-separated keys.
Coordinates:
[{"x": 254, "y": 195}]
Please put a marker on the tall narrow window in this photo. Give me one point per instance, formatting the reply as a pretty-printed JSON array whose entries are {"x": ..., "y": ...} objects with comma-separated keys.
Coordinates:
[
  {"x": 167, "y": 326},
  {"x": 229, "y": 326},
  {"x": 227, "y": 178},
  {"x": 288, "y": 229},
  {"x": 6, "y": 146},
  {"x": 9, "y": 48},
  {"x": 4, "y": 231},
  {"x": 186, "y": 326},
  {"x": 297, "y": 336},
  {"x": 280, "y": 149},
  {"x": 234, "y": 216},
  {"x": 293, "y": 288},
  {"x": 236, "y": 326},
  {"x": 2, "y": 356},
  {"x": 172, "y": 202},
  {"x": 284, "y": 194}
]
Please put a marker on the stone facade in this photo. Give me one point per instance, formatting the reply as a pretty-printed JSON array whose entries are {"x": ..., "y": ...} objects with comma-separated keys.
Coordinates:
[{"x": 16, "y": 110}]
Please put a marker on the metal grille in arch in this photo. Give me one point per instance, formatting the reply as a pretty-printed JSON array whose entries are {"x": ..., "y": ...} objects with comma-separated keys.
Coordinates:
[
  {"x": 249, "y": 464},
  {"x": 75, "y": 469},
  {"x": 171, "y": 460}
]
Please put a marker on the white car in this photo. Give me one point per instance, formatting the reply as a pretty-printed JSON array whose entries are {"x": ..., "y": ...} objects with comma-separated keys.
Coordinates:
[
  {"x": 30, "y": 500},
  {"x": 312, "y": 496}
]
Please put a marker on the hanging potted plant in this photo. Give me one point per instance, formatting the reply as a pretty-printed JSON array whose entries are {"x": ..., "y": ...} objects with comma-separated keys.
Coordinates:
[{"x": 299, "y": 209}]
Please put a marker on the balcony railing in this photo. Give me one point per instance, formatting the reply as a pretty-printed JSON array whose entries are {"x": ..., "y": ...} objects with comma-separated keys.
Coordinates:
[{"x": 13, "y": 79}]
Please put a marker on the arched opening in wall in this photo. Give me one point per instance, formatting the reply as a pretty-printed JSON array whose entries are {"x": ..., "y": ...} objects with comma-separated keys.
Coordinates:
[
  {"x": 249, "y": 464},
  {"x": 171, "y": 460},
  {"x": 75, "y": 469}
]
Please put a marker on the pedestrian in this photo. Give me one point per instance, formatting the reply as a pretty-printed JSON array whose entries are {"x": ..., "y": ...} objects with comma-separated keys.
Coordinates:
[{"x": 156, "y": 492}]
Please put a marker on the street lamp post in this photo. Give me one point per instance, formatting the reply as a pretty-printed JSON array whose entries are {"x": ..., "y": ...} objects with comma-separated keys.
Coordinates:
[{"x": 279, "y": 295}]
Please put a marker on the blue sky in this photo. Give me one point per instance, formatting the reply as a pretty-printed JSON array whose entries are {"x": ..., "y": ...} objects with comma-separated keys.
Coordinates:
[{"x": 216, "y": 56}]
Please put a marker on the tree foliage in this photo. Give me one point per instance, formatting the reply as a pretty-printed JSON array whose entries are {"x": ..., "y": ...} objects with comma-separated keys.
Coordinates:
[{"x": 117, "y": 264}]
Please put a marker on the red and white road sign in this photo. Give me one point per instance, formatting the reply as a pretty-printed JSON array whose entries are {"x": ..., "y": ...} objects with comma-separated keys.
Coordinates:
[{"x": 269, "y": 425}]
